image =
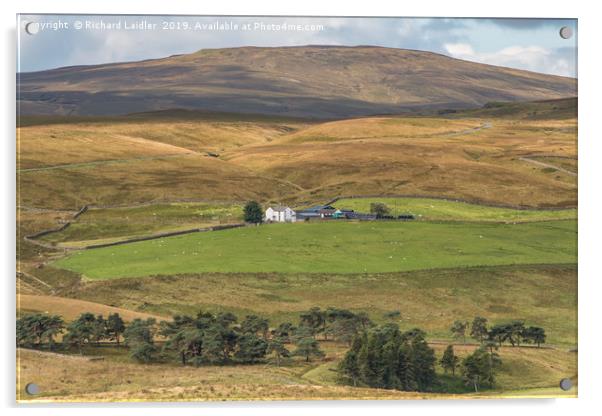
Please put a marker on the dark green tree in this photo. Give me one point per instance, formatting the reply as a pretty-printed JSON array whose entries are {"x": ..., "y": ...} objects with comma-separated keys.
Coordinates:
[
  {"x": 384, "y": 357},
  {"x": 458, "y": 330},
  {"x": 514, "y": 332},
  {"x": 449, "y": 361},
  {"x": 277, "y": 348},
  {"x": 253, "y": 212},
  {"x": 479, "y": 368},
  {"x": 423, "y": 362},
  {"x": 139, "y": 337},
  {"x": 478, "y": 329},
  {"x": 308, "y": 347},
  {"x": 99, "y": 330},
  {"x": 314, "y": 320},
  {"x": 115, "y": 327},
  {"x": 37, "y": 329},
  {"x": 498, "y": 334},
  {"x": 81, "y": 331},
  {"x": 349, "y": 367},
  {"x": 284, "y": 332},
  {"x": 380, "y": 209},
  {"x": 255, "y": 325},
  {"x": 535, "y": 335},
  {"x": 251, "y": 348}
]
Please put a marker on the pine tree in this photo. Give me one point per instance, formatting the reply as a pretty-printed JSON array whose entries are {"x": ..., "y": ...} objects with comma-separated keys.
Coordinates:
[
  {"x": 449, "y": 361},
  {"x": 478, "y": 329},
  {"x": 277, "y": 349},
  {"x": 458, "y": 330},
  {"x": 308, "y": 347},
  {"x": 115, "y": 327},
  {"x": 253, "y": 212},
  {"x": 139, "y": 337}
]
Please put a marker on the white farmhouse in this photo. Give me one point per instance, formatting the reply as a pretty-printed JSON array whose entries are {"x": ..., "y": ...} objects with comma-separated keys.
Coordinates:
[{"x": 279, "y": 213}]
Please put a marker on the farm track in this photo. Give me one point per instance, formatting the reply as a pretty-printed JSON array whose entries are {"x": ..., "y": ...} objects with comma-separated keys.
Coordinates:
[{"x": 547, "y": 165}]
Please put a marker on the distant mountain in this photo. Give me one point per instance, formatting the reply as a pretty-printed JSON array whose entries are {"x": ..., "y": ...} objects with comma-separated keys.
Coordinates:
[{"x": 308, "y": 81}]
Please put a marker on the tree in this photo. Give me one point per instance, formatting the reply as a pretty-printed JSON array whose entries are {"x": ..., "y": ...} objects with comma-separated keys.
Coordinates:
[
  {"x": 216, "y": 348},
  {"x": 284, "y": 332},
  {"x": 534, "y": 334},
  {"x": 423, "y": 362},
  {"x": 478, "y": 329},
  {"x": 277, "y": 349},
  {"x": 344, "y": 325},
  {"x": 182, "y": 337},
  {"x": 458, "y": 329},
  {"x": 383, "y": 357},
  {"x": 514, "y": 332},
  {"x": 314, "y": 320},
  {"x": 139, "y": 337},
  {"x": 256, "y": 325},
  {"x": 253, "y": 212},
  {"x": 81, "y": 331},
  {"x": 308, "y": 347},
  {"x": 379, "y": 208},
  {"x": 115, "y": 327},
  {"x": 449, "y": 361},
  {"x": 99, "y": 331},
  {"x": 36, "y": 328},
  {"x": 498, "y": 334},
  {"x": 251, "y": 348},
  {"x": 349, "y": 367},
  {"x": 479, "y": 368}
]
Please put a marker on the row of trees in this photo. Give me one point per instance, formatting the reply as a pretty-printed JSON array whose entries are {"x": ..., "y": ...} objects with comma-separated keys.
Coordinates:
[
  {"x": 206, "y": 338},
  {"x": 39, "y": 329},
  {"x": 514, "y": 332}
]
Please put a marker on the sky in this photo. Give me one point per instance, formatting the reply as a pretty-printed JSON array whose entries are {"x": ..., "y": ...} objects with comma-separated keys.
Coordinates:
[{"x": 51, "y": 41}]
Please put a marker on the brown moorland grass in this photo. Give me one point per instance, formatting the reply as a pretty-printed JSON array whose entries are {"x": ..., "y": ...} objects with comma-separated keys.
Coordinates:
[
  {"x": 70, "y": 309},
  {"x": 75, "y": 378},
  {"x": 395, "y": 156},
  {"x": 167, "y": 179},
  {"x": 543, "y": 295},
  {"x": 80, "y": 140},
  {"x": 471, "y": 155}
]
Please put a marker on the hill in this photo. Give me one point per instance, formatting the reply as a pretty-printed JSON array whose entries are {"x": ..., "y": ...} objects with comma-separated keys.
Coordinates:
[{"x": 308, "y": 81}]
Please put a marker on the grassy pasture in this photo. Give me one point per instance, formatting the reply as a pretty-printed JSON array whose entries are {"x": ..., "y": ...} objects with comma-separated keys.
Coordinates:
[
  {"x": 544, "y": 295},
  {"x": 73, "y": 378},
  {"x": 105, "y": 223},
  {"x": 444, "y": 210},
  {"x": 335, "y": 247}
]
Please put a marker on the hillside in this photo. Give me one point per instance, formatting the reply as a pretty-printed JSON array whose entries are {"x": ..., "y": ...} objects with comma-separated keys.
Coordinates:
[{"x": 309, "y": 81}]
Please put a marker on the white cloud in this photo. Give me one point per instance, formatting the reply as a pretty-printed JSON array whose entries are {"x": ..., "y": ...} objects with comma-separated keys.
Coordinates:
[{"x": 531, "y": 58}]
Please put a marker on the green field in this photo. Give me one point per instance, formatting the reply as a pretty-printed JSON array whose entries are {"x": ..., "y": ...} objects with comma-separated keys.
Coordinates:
[
  {"x": 335, "y": 247},
  {"x": 96, "y": 223},
  {"x": 445, "y": 210}
]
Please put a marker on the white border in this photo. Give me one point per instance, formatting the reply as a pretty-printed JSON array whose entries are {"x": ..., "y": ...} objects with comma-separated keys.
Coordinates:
[{"x": 590, "y": 108}]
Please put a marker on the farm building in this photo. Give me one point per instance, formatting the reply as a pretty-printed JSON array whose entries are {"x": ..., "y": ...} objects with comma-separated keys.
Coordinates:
[
  {"x": 319, "y": 211},
  {"x": 280, "y": 213}
]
